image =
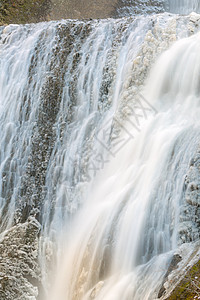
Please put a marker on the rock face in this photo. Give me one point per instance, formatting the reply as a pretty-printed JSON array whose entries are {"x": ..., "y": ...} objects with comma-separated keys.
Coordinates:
[
  {"x": 193, "y": 182},
  {"x": 75, "y": 9},
  {"x": 173, "y": 265},
  {"x": 190, "y": 228},
  {"x": 189, "y": 286},
  {"x": 24, "y": 11},
  {"x": 19, "y": 270},
  {"x": 183, "y": 280}
]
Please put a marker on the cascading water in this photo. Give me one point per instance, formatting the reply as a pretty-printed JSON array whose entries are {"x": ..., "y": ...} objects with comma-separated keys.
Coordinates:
[
  {"x": 97, "y": 153},
  {"x": 131, "y": 230},
  {"x": 184, "y": 6},
  {"x": 132, "y": 7}
]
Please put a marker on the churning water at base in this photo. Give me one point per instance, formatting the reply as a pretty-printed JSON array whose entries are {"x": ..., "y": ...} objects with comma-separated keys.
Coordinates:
[{"x": 97, "y": 154}]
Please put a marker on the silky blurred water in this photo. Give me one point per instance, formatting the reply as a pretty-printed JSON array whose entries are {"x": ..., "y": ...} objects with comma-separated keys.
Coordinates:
[{"x": 99, "y": 120}]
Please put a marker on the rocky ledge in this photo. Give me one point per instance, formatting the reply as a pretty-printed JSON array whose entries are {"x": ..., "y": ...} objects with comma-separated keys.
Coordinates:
[
  {"x": 24, "y": 11},
  {"x": 19, "y": 269}
]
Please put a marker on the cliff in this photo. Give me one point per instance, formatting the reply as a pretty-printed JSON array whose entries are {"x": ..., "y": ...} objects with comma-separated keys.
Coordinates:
[{"x": 24, "y": 11}]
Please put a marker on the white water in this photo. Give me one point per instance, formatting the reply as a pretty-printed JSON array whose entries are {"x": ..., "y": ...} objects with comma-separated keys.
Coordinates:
[
  {"x": 126, "y": 233},
  {"x": 184, "y": 6},
  {"x": 112, "y": 211}
]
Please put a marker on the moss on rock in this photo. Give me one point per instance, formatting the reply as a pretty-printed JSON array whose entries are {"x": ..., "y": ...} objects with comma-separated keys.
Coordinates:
[
  {"x": 24, "y": 11},
  {"x": 189, "y": 287}
]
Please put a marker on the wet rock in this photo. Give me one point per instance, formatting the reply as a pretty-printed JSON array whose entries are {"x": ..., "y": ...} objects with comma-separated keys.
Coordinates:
[
  {"x": 190, "y": 212},
  {"x": 173, "y": 265},
  {"x": 193, "y": 182},
  {"x": 19, "y": 269},
  {"x": 189, "y": 286}
]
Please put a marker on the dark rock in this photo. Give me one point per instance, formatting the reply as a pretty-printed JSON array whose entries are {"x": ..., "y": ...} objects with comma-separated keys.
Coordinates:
[{"x": 173, "y": 265}]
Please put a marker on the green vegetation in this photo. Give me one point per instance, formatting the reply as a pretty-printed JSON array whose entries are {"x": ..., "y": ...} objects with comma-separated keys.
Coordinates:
[
  {"x": 24, "y": 11},
  {"x": 189, "y": 287}
]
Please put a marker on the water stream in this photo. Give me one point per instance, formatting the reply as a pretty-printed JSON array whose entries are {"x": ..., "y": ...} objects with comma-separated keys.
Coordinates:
[{"x": 99, "y": 121}]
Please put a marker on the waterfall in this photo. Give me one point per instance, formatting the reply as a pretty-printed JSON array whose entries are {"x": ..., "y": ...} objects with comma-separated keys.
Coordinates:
[
  {"x": 99, "y": 121},
  {"x": 125, "y": 236},
  {"x": 184, "y": 6}
]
